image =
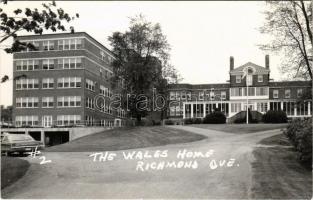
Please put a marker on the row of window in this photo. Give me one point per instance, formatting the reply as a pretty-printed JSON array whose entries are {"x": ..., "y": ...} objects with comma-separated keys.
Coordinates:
[
  {"x": 252, "y": 91},
  {"x": 49, "y": 45},
  {"x": 287, "y": 93},
  {"x": 187, "y": 95},
  {"x": 62, "y": 120},
  {"x": 48, "y": 102},
  {"x": 48, "y": 64},
  {"x": 48, "y": 83},
  {"x": 250, "y": 79}
]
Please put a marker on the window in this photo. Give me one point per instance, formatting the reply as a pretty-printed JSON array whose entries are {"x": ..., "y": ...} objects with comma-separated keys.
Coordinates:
[
  {"x": 299, "y": 93},
  {"x": 68, "y": 119},
  {"x": 48, "y": 64},
  {"x": 183, "y": 95},
  {"x": 177, "y": 95},
  {"x": 90, "y": 85},
  {"x": 69, "y": 101},
  {"x": 172, "y": 95},
  {"x": 48, "y": 45},
  {"x": 60, "y": 44},
  {"x": 223, "y": 95},
  {"x": 238, "y": 79},
  {"x": 212, "y": 95},
  {"x": 27, "y": 65},
  {"x": 287, "y": 94},
  {"x": 260, "y": 78},
  {"x": 251, "y": 91},
  {"x": 262, "y": 107},
  {"x": 68, "y": 44},
  {"x": 275, "y": 94},
  {"x": 201, "y": 95},
  {"x": 31, "y": 120},
  {"x": 47, "y": 102},
  {"x": 235, "y": 107},
  {"x": 69, "y": 63},
  {"x": 89, "y": 103},
  {"x": 47, "y": 83},
  {"x": 189, "y": 95},
  {"x": 69, "y": 82},
  {"x": 27, "y": 102},
  {"x": 27, "y": 84},
  {"x": 78, "y": 43},
  {"x": 261, "y": 91}
]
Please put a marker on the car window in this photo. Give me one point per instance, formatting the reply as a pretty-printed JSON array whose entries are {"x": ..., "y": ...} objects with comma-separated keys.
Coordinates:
[{"x": 20, "y": 137}]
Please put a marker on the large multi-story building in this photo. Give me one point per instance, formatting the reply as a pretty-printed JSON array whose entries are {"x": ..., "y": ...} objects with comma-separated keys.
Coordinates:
[
  {"x": 63, "y": 77},
  {"x": 196, "y": 101}
]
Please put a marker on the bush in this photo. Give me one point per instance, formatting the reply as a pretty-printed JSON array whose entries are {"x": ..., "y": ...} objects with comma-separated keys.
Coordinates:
[
  {"x": 196, "y": 120},
  {"x": 169, "y": 122},
  {"x": 188, "y": 121},
  {"x": 275, "y": 116},
  {"x": 216, "y": 117},
  {"x": 299, "y": 132},
  {"x": 242, "y": 120}
]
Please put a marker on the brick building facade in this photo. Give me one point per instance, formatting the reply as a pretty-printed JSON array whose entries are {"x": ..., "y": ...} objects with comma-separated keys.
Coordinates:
[
  {"x": 196, "y": 101},
  {"x": 64, "y": 75}
]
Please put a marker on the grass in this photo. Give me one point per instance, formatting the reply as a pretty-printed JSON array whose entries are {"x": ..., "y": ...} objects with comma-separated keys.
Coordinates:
[
  {"x": 127, "y": 138},
  {"x": 280, "y": 139},
  {"x": 12, "y": 169},
  {"x": 277, "y": 173},
  {"x": 240, "y": 128}
]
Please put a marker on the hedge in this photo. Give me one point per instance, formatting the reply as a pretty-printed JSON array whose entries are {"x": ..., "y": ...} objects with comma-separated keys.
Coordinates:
[
  {"x": 275, "y": 116},
  {"x": 299, "y": 132},
  {"x": 216, "y": 117}
]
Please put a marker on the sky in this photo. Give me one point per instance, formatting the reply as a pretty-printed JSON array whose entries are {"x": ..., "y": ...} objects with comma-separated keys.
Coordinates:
[{"x": 202, "y": 35}]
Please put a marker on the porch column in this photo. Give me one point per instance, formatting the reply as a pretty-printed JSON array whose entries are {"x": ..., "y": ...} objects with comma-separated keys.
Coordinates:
[
  {"x": 42, "y": 137},
  {"x": 309, "y": 108},
  {"x": 282, "y": 105},
  {"x": 268, "y": 106},
  {"x": 184, "y": 110},
  {"x": 204, "y": 108},
  {"x": 191, "y": 114},
  {"x": 295, "y": 110}
]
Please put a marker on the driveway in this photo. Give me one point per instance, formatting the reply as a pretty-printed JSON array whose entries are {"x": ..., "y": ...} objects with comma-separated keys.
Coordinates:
[{"x": 75, "y": 175}]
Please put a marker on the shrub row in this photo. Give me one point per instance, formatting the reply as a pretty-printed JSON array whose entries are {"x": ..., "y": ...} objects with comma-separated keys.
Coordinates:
[
  {"x": 275, "y": 116},
  {"x": 216, "y": 117},
  {"x": 299, "y": 132}
]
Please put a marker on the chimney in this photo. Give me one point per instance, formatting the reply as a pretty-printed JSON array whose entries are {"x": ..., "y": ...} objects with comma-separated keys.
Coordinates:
[
  {"x": 267, "y": 61},
  {"x": 231, "y": 63}
]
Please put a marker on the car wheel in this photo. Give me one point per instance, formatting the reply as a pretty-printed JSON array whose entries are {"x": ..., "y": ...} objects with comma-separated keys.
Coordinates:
[{"x": 21, "y": 153}]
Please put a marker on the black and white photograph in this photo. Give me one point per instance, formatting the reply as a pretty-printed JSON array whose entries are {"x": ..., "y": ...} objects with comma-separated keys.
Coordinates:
[{"x": 156, "y": 99}]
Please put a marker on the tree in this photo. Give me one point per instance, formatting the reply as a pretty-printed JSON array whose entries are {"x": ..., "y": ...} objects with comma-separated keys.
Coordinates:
[
  {"x": 31, "y": 20},
  {"x": 290, "y": 24},
  {"x": 142, "y": 62},
  {"x": 6, "y": 114}
]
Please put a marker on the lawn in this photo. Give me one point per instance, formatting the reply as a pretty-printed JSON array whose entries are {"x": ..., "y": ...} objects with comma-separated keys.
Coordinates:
[
  {"x": 240, "y": 128},
  {"x": 127, "y": 138},
  {"x": 277, "y": 173},
  {"x": 12, "y": 169}
]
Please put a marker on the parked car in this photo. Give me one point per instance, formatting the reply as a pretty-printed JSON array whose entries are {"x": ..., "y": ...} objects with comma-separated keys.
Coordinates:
[{"x": 19, "y": 143}]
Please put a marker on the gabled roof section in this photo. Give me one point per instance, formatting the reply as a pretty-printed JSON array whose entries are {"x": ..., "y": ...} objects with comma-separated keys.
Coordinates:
[{"x": 257, "y": 69}]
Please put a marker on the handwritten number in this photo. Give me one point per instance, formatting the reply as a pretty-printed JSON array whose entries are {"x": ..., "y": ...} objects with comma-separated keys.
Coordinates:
[{"x": 44, "y": 161}]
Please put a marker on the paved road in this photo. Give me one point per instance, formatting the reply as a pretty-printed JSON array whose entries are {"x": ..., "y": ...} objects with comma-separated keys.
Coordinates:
[{"x": 75, "y": 175}]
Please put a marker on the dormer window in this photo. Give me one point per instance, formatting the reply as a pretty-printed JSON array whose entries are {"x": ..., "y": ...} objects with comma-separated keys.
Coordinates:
[
  {"x": 260, "y": 78},
  {"x": 238, "y": 79}
]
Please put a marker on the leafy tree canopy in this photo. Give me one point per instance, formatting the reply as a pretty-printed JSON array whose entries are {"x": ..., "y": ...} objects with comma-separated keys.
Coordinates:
[
  {"x": 142, "y": 61},
  {"x": 290, "y": 24},
  {"x": 35, "y": 21}
]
